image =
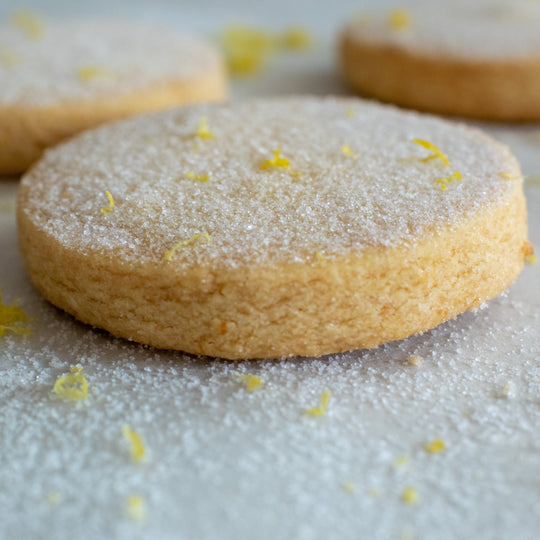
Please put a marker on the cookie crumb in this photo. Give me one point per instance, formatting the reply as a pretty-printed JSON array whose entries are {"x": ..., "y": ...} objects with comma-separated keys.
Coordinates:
[
  {"x": 138, "y": 451},
  {"x": 322, "y": 409},
  {"x": 415, "y": 360},
  {"x": 72, "y": 386}
]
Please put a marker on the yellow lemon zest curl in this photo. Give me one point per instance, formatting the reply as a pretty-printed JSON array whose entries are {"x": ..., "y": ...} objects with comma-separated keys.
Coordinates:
[
  {"x": 90, "y": 73},
  {"x": 443, "y": 181},
  {"x": 323, "y": 407},
  {"x": 71, "y": 386},
  {"x": 170, "y": 252},
  {"x": 138, "y": 450},
  {"x": 251, "y": 381},
  {"x": 106, "y": 209},
  {"x": 278, "y": 161},
  {"x": 136, "y": 508},
  {"x": 348, "y": 152},
  {"x": 29, "y": 23},
  {"x": 436, "y": 152},
  {"x": 409, "y": 495},
  {"x": 203, "y": 132},
  {"x": 198, "y": 177},
  {"x": 436, "y": 446},
  {"x": 399, "y": 19},
  {"x": 506, "y": 175}
]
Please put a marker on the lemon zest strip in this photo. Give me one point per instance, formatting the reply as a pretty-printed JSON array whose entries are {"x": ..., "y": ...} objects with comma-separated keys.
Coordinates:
[
  {"x": 136, "y": 508},
  {"x": 348, "y": 152},
  {"x": 278, "y": 161},
  {"x": 198, "y": 177},
  {"x": 409, "y": 495},
  {"x": 202, "y": 129},
  {"x": 443, "y": 181},
  {"x": 251, "y": 381},
  {"x": 170, "y": 252},
  {"x": 436, "y": 446},
  {"x": 399, "y": 19},
  {"x": 323, "y": 407},
  {"x": 436, "y": 151},
  {"x": 71, "y": 386},
  {"x": 506, "y": 175},
  {"x": 89, "y": 73},
  {"x": 138, "y": 450},
  {"x": 10, "y": 316},
  {"x": 531, "y": 259},
  {"x": 29, "y": 23},
  {"x": 106, "y": 210}
]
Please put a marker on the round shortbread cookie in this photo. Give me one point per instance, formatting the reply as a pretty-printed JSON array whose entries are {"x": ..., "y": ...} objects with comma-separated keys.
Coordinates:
[
  {"x": 475, "y": 59},
  {"x": 293, "y": 226},
  {"x": 60, "y": 77}
]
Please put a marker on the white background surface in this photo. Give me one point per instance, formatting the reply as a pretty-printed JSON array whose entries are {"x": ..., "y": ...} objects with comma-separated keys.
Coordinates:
[{"x": 225, "y": 463}]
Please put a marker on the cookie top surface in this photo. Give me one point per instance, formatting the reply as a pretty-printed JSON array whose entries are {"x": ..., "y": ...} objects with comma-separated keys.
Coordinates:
[
  {"x": 479, "y": 30},
  {"x": 47, "y": 62},
  {"x": 219, "y": 195}
]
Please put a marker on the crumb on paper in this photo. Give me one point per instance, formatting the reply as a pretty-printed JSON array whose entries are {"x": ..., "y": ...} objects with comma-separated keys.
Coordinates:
[
  {"x": 415, "y": 360},
  {"x": 507, "y": 391},
  {"x": 72, "y": 386},
  {"x": 322, "y": 408},
  {"x": 138, "y": 451}
]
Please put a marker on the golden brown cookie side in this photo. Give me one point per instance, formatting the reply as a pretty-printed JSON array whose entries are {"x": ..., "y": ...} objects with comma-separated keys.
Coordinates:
[
  {"x": 498, "y": 90},
  {"x": 26, "y": 131},
  {"x": 350, "y": 302}
]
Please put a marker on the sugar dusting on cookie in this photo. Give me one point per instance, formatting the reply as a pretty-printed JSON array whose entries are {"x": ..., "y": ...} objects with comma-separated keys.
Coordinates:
[
  {"x": 49, "y": 61},
  {"x": 278, "y": 191}
]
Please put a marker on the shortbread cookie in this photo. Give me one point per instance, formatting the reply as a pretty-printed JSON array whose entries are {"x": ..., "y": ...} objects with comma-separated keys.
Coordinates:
[
  {"x": 60, "y": 77},
  {"x": 475, "y": 59},
  {"x": 296, "y": 226}
]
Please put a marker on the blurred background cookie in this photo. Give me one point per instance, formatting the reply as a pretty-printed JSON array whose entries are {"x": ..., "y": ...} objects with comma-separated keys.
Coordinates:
[
  {"x": 58, "y": 77},
  {"x": 475, "y": 59}
]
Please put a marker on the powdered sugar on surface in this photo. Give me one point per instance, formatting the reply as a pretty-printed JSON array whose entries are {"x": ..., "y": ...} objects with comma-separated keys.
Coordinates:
[
  {"x": 326, "y": 201},
  {"x": 473, "y": 31},
  {"x": 127, "y": 57}
]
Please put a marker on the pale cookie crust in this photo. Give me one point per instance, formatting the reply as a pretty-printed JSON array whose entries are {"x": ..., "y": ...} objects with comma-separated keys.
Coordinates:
[
  {"x": 78, "y": 74},
  {"x": 211, "y": 244},
  {"x": 476, "y": 59}
]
